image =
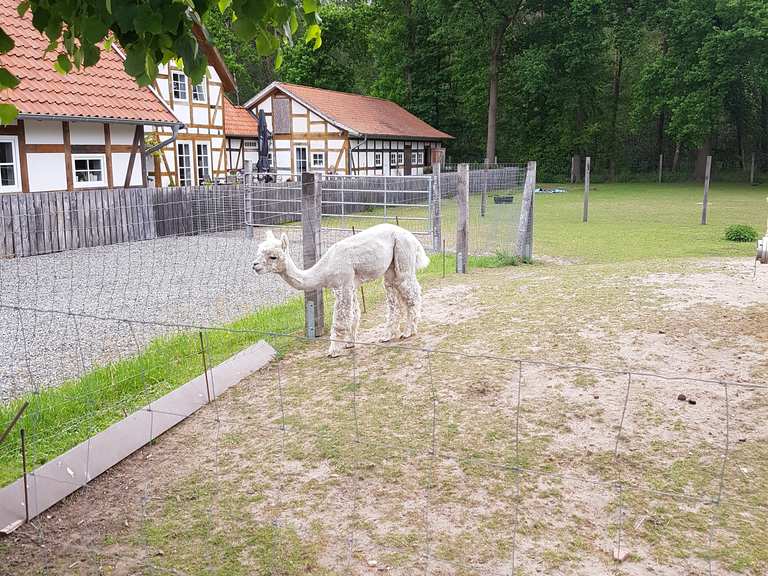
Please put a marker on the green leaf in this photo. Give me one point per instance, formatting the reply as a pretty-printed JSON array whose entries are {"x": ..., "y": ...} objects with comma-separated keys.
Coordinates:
[
  {"x": 7, "y": 80},
  {"x": 109, "y": 6},
  {"x": 278, "y": 59},
  {"x": 91, "y": 55},
  {"x": 224, "y": 4},
  {"x": 108, "y": 41},
  {"x": 150, "y": 66},
  {"x": 313, "y": 34},
  {"x": 244, "y": 28},
  {"x": 294, "y": 22},
  {"x": 62, "y": 64},
  {"x": 310, "y": 6},
  {"x": 263, "y": 42},
  {"x": 93, "y": 30},
  {"x": 134, "y": 61},
  {"x": 22, "y": 8},
  {"x": 6, "y": 42},
  {"x": 8, "y": 113}
]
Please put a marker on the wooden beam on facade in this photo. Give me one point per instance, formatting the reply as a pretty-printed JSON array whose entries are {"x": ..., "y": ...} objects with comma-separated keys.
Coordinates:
[
  {"x": 132, "y": 160},
  {"x": 23, "y": 168},
  {"x": 108, "y": 154},
  {"x": 68, "y": 155}
]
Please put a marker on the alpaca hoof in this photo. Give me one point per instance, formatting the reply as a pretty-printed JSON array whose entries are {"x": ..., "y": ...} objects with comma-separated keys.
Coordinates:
[
  {"x": 349, "y": 345},
  {"x": 334, "y": 352}
]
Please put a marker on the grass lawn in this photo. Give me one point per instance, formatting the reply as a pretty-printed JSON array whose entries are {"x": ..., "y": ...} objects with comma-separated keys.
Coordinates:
[{"x": 646, "y": 221}]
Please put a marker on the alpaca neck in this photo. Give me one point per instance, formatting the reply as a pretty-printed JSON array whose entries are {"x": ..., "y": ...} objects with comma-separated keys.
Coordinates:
[{"x": 300, "y": 279}]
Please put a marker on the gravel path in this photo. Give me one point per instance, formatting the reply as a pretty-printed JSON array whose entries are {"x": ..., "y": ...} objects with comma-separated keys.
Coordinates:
[{"x": 201, "y": 280}]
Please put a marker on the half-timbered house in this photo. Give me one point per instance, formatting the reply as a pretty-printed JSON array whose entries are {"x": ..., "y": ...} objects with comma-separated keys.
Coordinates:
[
  {"x": 198, "y": 155},
  {"x": 241, "y": 129},
  {"x": 336, "y": 132},
  {"x": 82, "y": 130}
]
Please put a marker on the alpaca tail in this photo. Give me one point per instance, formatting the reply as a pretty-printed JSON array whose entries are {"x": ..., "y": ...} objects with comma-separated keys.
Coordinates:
[
  {"x": 409, "y": 254},
  {"x": 422, "y": 260}
]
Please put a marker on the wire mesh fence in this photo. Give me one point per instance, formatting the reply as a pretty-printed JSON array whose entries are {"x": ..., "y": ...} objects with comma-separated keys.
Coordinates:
[{"x": 402, "y": 458}]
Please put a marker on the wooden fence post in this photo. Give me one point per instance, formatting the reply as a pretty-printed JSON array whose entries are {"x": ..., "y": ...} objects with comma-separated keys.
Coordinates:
[
  {"x": 573, "y": 169},
  {"x": 661, "y": 166},
  {"x": 436, "y": 200},
  {"x": 752, "y": 171},
  {"x": 484, "y": 196},
  {"x": 525, "y": 228},
  {"x": 587, "y": 169},
  {"x": 706, "y": 191},
  {"x": 462, "y": 225},
  {"x": 311, "y": 212}
]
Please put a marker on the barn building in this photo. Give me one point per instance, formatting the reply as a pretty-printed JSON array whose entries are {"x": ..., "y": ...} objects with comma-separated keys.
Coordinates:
[
  {"x": 336, "y": 132},
  {"x": 241, "y": 129},
  {"x": 82, "y": 130}
]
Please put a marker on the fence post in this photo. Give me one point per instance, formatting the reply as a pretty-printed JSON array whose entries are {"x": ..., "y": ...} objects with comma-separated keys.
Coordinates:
[
  {"x": 525, "y": 228},
  {"x": 311, "y": 212},
  {"x": 573, "y": 169},
  {"x": 435, "y": 205},
  {"x": 661, "y": 166},
  {"x": 706, "y": 191},
  {"x": 462, "y": 224},
  {"x": 587, "y": 168},
  {"x": 484, "y": 197}
]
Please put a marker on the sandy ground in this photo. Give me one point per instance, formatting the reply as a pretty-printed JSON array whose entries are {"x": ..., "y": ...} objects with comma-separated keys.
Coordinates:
[{"x": 483, "y": 446}]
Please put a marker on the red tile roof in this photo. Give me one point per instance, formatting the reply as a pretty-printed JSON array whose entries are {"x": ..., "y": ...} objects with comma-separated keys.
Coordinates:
[
  {"x": 101, "y": 91},
  {"x": 238, "y": 121},
  {"x": 364, "y": 114}
]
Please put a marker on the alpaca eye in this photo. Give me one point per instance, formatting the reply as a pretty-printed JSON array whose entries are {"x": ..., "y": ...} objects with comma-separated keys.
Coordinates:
[{"x": 273, "y": 257}]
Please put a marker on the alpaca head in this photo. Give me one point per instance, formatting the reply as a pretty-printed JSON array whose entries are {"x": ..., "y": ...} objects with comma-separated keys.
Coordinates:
[{"x": 271, "y": 254}]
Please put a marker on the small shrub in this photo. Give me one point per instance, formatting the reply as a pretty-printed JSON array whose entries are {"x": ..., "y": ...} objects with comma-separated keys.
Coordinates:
[
  {"x": 740, "y": 233},
  {"x": 498, "y": 260}
]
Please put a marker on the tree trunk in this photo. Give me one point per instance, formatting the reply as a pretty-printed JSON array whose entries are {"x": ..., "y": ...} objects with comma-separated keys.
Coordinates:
[
  {"x": 676, "y": 157},
  {"x": 614, "y": 115},
  {"x": 411, "y": 40},
  {"x": 660, "y": 134},
  {"x": 497, "y": 42},
  {"x": 740, "y": 144},
  {"x": 701, "y": 160},
  {"x": 577, "y": 168}
]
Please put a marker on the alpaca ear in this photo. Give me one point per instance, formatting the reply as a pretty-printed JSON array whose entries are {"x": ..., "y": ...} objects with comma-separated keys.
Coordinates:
[
  {"x": 269, "y": 235},
  {"x": 284, "y": 240}
]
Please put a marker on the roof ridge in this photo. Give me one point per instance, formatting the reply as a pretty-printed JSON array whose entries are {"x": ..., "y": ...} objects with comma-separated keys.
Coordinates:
[{"x": 380, "y": 98}]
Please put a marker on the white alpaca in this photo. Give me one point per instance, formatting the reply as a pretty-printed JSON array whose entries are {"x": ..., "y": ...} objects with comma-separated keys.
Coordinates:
[{"x": 382, "y": 250}]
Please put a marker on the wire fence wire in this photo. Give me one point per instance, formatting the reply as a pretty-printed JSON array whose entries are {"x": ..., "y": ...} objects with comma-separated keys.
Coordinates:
[{"x": 402, "y": 458}]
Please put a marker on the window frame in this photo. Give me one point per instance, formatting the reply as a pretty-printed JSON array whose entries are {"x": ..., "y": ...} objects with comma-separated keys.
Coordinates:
[
  {"x": 254, "y": 146},
  {"x": 296, "y": 158},
  {"x": 420, "y": 158},
  {"x": 378, "y": 160},
  {"x": 184, "y": 83},
  {"x": 203, "y": 86},
  {"x": 15, "y": 162},
  {"x": 322, "y": 160},
  {"x": 393, "y": 159},
  {"x": 189, "y": 167},
  {"x": 103, "y": 183},
  {"x": 202, "y": 178},
  {"x": 400, "y": 158}
]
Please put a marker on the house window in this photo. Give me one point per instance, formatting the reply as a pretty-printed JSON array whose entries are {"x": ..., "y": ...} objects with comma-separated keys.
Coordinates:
[
  {"x": 9, "y": 164},
  {"x": 400, "y": 158},
  {"x": 393, "y": 159},
  {"x": 179, "y": 81},
  {"x": 185, "y": 164},
  {"x": 198, "y": 92},
  {"x": 377, "y": 160},
  {"x": 301, "y": 159},
  {"x": 414, "y": 158},
  {"x": 251, "y": 145},
  {"x": 318, "y": 160},
  {"x": 203, "y": 164},
  {"x": 89, "y": 170},
  {"x": 419, "y": 158}
]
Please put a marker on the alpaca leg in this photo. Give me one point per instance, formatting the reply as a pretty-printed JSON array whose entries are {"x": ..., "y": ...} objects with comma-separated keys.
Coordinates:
[
  {"x": 410, "y": 292},
  {"x": 392, "y": 329},
  {"x": 355, "y": 324},
  {"x": 341, "y": 317}
]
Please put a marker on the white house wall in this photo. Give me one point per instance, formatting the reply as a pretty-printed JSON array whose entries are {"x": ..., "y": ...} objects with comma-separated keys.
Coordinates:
[{"x": 47, "y": 172}]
